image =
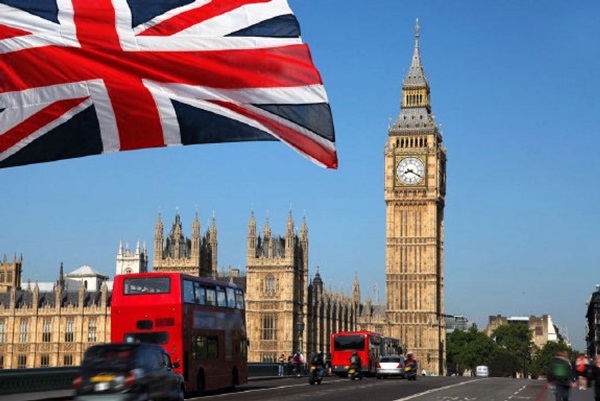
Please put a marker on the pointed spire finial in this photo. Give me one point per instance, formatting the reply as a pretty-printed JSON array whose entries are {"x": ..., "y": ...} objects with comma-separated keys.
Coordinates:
[{"x": 417, "y": 29}]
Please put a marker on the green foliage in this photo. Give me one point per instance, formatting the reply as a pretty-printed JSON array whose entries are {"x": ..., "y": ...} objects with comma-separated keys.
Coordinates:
[
  {"x": 504, "y": 364},
  {"x": 542, "y": 358},
  {"x": 468, "y": 349},
  {"x": 515, "y": 340}
]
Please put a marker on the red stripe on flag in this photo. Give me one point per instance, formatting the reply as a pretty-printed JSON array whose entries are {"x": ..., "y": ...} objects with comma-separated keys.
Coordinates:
[
  {"x": 192, "y": 17},
  {"x": 303, "y": 143},
  {"x": 7, "y": 32},
  {"x": 39, "y": 120}
]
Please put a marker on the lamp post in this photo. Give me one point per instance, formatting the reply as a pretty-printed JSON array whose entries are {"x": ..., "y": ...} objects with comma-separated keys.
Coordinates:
[{"x": 300, "y": 329}]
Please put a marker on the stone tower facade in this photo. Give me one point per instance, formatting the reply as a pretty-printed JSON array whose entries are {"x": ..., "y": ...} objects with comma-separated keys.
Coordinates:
[
  {"x": 10, "y": 273},
  {"x": 276, "y": 290},
  {"x": 196, "y": 256},
  {"x": 329, "y": 312},
  {"x": 415, "y": 189},
  {"x": 132, "y": 262}
]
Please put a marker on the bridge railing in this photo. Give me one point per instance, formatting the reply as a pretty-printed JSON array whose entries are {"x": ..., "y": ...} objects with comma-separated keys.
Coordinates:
[{"x": 13, "y": 381}]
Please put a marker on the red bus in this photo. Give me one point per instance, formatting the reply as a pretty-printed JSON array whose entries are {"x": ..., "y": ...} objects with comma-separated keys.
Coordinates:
[
  {"x": 199, "y": 321},
  {"x": 370, "y": 346}
]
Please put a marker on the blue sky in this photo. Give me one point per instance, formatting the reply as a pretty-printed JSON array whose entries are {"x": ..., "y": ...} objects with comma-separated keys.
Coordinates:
[{"x": 516, "y": 88}]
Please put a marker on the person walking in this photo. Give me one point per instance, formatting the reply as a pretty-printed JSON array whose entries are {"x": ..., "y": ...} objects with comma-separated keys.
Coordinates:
[
  {"x": 594, "y": 375},
  {"x": 281, "y": 364},
  {"x": 581, "y": 365},
  {"x": 560, "y": 375}
]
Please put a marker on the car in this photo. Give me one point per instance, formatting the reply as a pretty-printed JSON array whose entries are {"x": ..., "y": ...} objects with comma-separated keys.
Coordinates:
[
  {"x": 128, "y": 371},
  {"x": 390, "y": 366},
  {"x": 482, "y": 371}
]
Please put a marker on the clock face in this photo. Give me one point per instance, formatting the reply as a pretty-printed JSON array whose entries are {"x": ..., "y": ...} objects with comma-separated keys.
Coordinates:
[{"x": 410, "y": 170}]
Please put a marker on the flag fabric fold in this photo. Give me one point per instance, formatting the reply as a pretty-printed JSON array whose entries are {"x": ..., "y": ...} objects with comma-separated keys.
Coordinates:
[{"x": 80, "y": 78}]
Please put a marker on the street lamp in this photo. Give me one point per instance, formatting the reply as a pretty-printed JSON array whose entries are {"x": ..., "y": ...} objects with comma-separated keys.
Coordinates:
[{"x": 300, "y": 329}]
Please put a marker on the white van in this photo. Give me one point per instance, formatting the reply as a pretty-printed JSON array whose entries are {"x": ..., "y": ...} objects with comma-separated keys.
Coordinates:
[{"x": 482, "y": 371}]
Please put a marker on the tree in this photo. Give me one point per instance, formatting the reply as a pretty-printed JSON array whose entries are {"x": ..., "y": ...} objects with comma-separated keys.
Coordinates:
[
  {"x": 515, "y": 339},
  {"x": 542, "y": 358},
  {"x": 468, "y": 349}
]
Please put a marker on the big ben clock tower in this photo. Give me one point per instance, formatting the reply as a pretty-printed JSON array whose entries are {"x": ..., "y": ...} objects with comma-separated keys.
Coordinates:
[{"x": 415, "y": 187}]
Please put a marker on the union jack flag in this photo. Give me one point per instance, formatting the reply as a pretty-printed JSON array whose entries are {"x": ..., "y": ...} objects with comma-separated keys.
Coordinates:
[{"x": 85, "y": 77}]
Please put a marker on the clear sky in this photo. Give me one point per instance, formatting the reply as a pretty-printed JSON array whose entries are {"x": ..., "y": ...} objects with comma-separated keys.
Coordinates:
[{"x": 515, "y": 85}]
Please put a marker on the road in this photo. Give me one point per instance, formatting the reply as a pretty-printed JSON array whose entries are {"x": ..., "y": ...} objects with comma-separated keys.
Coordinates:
[{"x": 371, "y": 389}]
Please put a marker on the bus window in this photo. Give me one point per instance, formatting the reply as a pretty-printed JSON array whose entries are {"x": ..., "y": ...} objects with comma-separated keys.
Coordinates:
[
  {"x": 146, "y": 285},
  {"x": 199, "y": 347},
  {"x": 221, "y": 298},
  {"x": 200, "y": 294},
  {"x": 239, "y": 299},
  {"x": 211, "y": 297},
  {"x": 230, "y": 297},
  {"x": 188, "y": 292}
]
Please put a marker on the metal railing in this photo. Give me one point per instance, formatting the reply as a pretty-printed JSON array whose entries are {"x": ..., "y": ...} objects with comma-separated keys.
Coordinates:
[{"x": 14, "y": 381}]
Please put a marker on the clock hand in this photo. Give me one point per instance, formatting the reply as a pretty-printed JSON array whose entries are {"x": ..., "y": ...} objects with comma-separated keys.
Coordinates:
[{"x": 409, "y": 170}]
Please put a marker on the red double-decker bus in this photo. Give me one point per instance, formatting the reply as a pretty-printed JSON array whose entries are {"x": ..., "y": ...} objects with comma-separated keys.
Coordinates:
[
  {"x": 367, "y": 344},
  {"x": 199, "y": 321}
]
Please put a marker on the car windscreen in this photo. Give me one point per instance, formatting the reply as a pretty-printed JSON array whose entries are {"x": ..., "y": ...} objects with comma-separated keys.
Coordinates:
[
  {"x": 110, "y": 358},
  {"x": 395, "y": 359},
  {"x": 348, "y": 343}
]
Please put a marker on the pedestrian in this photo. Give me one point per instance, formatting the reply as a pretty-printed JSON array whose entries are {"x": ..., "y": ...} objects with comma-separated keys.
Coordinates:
[
  {"x": 290, "y": 365},
  {"x": 581, "y": 365},
  {"x": 281, "y": 363},
  {"x": 560, "y": 375},
  {"x": 594, "y": 375}
]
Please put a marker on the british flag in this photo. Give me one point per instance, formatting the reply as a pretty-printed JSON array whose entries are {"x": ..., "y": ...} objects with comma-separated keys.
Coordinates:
[{"x": 85, "y": 77}]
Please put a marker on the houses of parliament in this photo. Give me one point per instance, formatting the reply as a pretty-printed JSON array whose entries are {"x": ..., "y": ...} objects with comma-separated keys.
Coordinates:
[{"x": 287, "y": 307}]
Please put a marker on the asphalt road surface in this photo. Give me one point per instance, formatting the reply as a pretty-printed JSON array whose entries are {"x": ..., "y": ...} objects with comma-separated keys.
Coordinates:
[{"x": 371, "y": 389}]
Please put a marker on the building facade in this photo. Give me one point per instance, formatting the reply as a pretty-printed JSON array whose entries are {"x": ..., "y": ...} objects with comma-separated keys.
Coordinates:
[
  {"x": 284, "y": 311},
  {"x": 415, "y": 189},
  {"x": 52, "y": 328},
  {"x": 10, "y": 273},
  {"x": 542, "y": 328},
  {"x": 592, "y": 316},
  {"x": 196, "y": 256},
  {"x": 132, "y": 261}
]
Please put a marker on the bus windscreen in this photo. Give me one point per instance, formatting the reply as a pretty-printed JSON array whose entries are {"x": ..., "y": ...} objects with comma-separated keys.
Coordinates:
[{"x": 349, "y": 343}]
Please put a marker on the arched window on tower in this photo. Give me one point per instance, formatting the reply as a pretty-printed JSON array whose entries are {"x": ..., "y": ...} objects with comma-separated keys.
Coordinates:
[{"x": 270, "y": 285}]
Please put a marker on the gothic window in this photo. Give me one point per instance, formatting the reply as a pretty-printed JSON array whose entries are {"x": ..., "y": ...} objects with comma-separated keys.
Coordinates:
[
  {"x": 2, "y": 331},
  {"x": 45, "y": 361},
  {"x": 47, "y": 331},
  {"x": 70, "y": 330},
  {"x": 1, "y": 361},
  {"x": 23, "y": 328},
  {"x": 270, "y": 285},
  {"x": 68, "y": 360},
  {"x": 269, "y": 327},
  {"x": 9, "y": 277},
  {"x": 92, "y": 330},
  {"x": 1, "y": 277},
  {"x": 21, "y": 361}
]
